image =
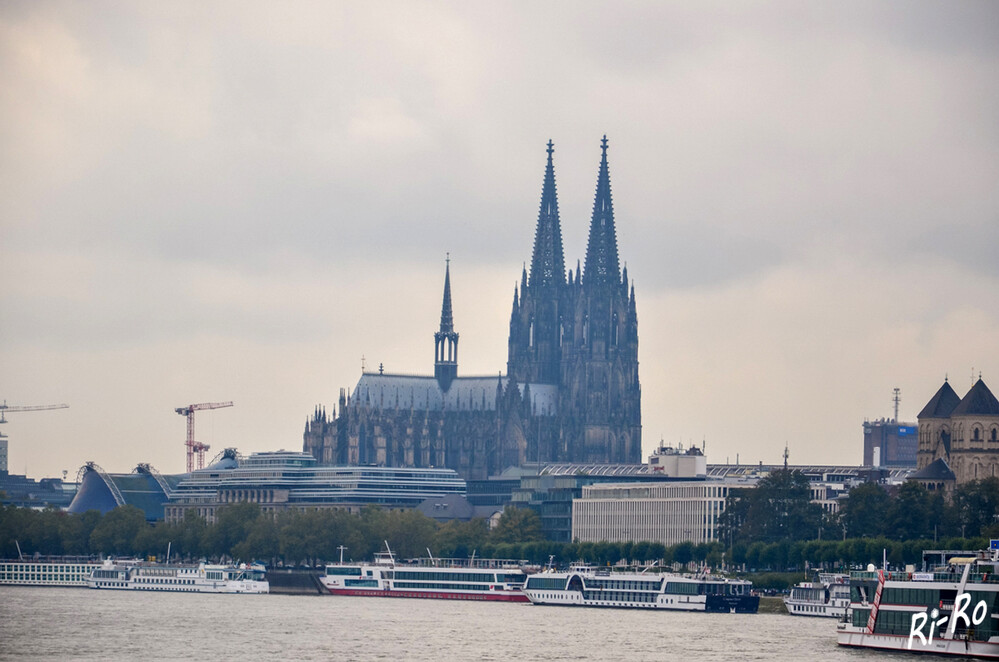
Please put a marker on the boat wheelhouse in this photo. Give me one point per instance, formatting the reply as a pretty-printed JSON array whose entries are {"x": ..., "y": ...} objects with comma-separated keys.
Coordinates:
[
  {"x": 586, "y": 586},
  {"x": 447, "y": 579},
  {"x": 951, "y": 609},
  {"x": 202, "y": 578},
  {"x": 828, "y": 596}
]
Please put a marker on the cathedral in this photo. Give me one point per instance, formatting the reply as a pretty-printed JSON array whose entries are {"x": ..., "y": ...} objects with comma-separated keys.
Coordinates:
[{"x": 571, "y": 392}]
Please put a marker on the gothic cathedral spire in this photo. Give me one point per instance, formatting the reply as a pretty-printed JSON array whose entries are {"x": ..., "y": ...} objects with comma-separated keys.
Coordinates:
[
  {"x": 547, "y": 261},
  {"x": 446, "y": 340},
  {"x": 601, "y": 266},
  {"x": 536, "y": 324}
]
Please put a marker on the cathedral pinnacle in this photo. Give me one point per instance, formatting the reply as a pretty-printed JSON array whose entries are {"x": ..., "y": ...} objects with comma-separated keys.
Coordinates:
[{"x": 447, "y": 319}]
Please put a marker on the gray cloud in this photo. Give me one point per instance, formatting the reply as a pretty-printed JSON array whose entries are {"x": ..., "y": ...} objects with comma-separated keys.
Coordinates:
[{"x": 793, "y": 183}]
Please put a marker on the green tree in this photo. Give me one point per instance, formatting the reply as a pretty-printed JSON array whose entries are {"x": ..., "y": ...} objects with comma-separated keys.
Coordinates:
[
  {"x": 75, "y": 531},
  {"x": 117, "y": 531},
  {"x": 232, "y": 524},
  {"x": 863, "y": 511},
  {"x": 778, "y": 508},
  {"x": 262, "y": 541},
  {"x": 459, "y": 539},
  {"x": 683, "y": 553},
  {"x": 976, "y": 506},
  {"x": 517, "y": 525},
  {"x": 913, "y": 512}
]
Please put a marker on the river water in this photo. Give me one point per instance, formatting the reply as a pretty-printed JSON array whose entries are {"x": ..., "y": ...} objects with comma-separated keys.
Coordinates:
[{"x": 41, "y": 623}]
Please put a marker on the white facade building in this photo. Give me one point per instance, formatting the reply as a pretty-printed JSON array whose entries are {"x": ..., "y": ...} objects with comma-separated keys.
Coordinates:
[{"x": 669, "y": 513}]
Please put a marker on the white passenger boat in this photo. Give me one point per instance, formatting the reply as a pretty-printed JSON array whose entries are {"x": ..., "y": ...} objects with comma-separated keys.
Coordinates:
[
  {"x": 46, "y": 573},
  {"x": 586, "y": 586},
  {"x": 828, "y": 596},
  {"x": 951, "y": 610},
  {"x": 445, "y": 579},
  {"x": 201, "y": 578}
]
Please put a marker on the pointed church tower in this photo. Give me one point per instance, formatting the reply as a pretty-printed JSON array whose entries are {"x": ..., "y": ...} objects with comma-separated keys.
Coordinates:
[
  {"x": 600, "y": 368},
  {"x": 536, "y": 323},
  {"x": 446, "y": 340},
  {"x": 601, "y": 268}
]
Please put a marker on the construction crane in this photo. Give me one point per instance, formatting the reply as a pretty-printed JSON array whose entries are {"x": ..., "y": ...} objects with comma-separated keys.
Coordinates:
[
  {"x": 196, "y": 447},
  {"x": 4, "y": 408}
]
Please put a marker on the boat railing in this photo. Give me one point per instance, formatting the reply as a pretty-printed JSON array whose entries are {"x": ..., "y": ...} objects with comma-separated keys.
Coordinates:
[
  {"x": 486, "y": 564},
  {"x": 952, "y": 577}
]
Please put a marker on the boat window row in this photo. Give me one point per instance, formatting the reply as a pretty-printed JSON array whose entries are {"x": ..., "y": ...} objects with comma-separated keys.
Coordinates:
[
  {"x": 163, "y": 580},
  {"x": 812, "y": 594},
  {"x": 340, "y": 571},
  {"x": 443, "y": 576},
  {"x": 546, "y": 583},
  {"x": 862, "y": 591},
  {"x": 361, "y": 583},
  {"x": 895, "y": 622},
  {"x": 157, "y": 572},
  {"x": 443, "y": 586},
  {"x": 24, "y": 572},
  {"x": 620, "y": 596},
  {"x": 681, "y": 588},
  {"x": 625, "y": 584},
  {"x": 511, "y": 577},
  {"x": 910, "y": 596},
  {"x": 723, "y": 588},
  {"x": 44, "y": 567},
  {"x": 109, "y": 574}
]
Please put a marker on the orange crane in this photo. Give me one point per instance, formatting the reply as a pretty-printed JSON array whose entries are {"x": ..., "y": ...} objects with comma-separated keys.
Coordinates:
[{"x": 196, "y": 447}]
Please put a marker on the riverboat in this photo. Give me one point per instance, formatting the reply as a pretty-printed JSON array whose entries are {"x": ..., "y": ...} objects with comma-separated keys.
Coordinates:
[
  {"x": 586, "y": 586},
  {"x": 950, "y": 609},
  {"x": 202, "y": 578},
  {"x": 828, "y": 596},
  {"x": 498, "y": 580},
  {"x": 46, "y": 573}
]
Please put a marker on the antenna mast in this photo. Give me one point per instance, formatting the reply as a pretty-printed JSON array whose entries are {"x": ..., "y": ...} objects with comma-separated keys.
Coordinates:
[{"x": 896, "y": 400}]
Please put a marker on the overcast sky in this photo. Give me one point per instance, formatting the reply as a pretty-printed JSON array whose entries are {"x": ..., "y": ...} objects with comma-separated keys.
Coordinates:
[{"x": 238, "y": 201}]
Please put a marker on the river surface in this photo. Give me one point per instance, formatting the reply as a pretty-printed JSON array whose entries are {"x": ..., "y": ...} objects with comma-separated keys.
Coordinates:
[{"x": 43, "y": 623}]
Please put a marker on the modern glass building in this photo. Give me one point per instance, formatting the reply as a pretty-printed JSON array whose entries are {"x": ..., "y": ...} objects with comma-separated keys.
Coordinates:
[{"x": 282, "y": 480}]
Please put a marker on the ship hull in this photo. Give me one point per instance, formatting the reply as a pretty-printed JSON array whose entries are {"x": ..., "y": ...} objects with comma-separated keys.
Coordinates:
[{"x": 493, "y": 596}]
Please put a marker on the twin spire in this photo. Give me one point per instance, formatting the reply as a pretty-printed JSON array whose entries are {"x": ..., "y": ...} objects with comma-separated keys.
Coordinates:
[
  {"x": 601, "y": 266},
  {"x": 548, "y": 261}
]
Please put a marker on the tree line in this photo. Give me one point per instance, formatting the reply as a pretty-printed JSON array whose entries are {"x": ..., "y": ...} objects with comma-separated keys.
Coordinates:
[
  {"x": 243, "y": 532},
  {"x": 780, "y": 509},
  {"x": 773, "y": 526}
]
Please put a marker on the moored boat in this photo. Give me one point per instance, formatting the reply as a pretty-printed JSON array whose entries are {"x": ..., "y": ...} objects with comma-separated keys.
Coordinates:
[
  {"x": 447, "y": 579},
  {"x": 950, "y": 609},
  {"x": 202, "y": 578},
  {"x": 828, "y": 596},
  {"x": 47, "y": 573},
  {"x": 586, "y": 586}
]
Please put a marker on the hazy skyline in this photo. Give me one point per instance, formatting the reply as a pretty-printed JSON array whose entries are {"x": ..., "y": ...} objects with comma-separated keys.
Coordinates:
[{"x": 239, "y": 201}]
